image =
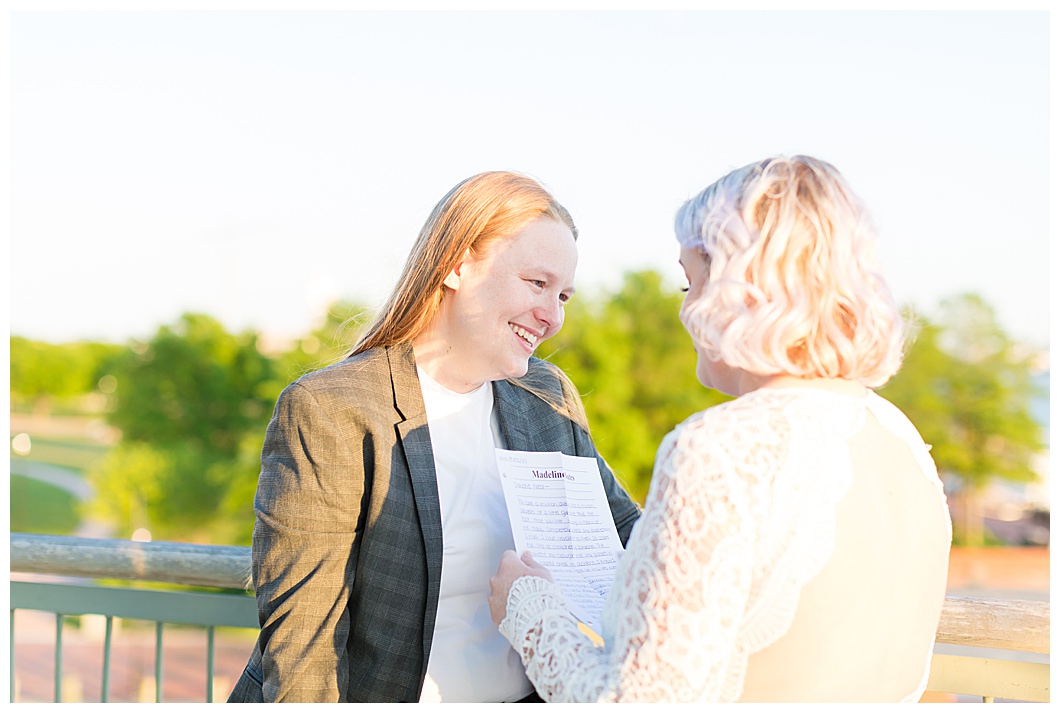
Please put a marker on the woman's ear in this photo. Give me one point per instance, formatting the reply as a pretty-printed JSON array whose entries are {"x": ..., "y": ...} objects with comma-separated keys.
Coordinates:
[
  {"x": 452, "y": 280},
  {"x": 455, "y": 276}
]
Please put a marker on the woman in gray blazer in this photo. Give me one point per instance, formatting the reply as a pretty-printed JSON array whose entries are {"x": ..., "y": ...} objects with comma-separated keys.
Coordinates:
[{"x": 379, "y": 510}]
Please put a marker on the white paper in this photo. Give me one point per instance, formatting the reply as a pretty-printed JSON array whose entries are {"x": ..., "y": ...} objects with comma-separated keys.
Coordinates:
[{"x": 559, "y": 512}]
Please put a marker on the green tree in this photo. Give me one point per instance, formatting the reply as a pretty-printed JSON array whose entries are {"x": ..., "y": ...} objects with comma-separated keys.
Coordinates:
[
  {"x": 329, "y": 342},
  {"x": 43, "y": 374},
  {"x": 968, "y": 388},
  {"x": 235, "y": 519},
  {"x": 194, "y": 383},
  {"x": 171, "y": 491},
  {"x": 189, "y": 398},
  {"x": 632, "y": 360},
  {"x": 129, "y": 484}
]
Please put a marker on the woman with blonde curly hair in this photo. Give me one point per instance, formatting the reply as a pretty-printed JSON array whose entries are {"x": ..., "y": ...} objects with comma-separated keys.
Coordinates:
[
  {"x": 380, "y": 512},
  {"x": 794, "y": 543}
]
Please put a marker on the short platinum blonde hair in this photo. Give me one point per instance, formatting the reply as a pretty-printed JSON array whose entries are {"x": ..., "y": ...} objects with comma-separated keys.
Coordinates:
[{"x": 793, "y": 284}]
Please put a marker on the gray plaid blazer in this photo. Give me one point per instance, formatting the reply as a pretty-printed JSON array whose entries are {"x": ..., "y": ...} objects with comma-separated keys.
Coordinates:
[{"x": 347, "y": 548}]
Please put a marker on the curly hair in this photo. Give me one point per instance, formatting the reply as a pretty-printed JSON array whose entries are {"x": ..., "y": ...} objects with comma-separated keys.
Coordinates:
[{"x": 793, "y": 285}]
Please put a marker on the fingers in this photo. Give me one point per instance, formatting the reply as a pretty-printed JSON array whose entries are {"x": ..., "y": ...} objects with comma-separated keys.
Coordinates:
[
  {"x": 498, "y": 604},
  {"x": 512, "y": 567},
  {"x": 508, "y": 571}
]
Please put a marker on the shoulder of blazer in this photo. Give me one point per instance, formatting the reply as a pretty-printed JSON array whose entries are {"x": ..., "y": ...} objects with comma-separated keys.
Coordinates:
[
  {"x": 527, "y": 421},
  {"x": 380, "y": 378},
  {"x": 542, "y": 375},
  {"x": 369, "y": 366}
]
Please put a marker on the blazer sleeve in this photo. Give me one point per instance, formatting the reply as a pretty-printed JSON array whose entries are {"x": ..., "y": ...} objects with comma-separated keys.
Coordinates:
[
  {"x": 624, "y": 511},
  {"x": 548, "y": 385},
  {"x": 308, "y": 507}
]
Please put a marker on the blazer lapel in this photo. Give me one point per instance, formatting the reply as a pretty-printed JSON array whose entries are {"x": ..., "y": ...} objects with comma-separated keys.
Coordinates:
[
  {"x": 416, "y": 444},
  {"x": 513, "y": 417}
]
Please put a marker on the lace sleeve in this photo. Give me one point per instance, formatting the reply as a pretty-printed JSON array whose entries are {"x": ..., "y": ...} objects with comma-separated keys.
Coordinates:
[{"x": 672, "y": 620}]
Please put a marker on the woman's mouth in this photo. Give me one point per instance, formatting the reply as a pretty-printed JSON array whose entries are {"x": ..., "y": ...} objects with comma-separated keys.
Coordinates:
[{"x": 529, "y": 338}]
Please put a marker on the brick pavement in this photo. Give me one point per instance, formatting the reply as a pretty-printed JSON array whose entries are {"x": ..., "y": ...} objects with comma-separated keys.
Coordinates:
[
  {"x": 132, "y": 668},
  {"x": 999, "y": 568}
]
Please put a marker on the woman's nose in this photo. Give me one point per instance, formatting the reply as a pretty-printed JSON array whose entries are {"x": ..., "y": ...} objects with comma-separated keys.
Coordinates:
[{"x": 550, "y": 313}]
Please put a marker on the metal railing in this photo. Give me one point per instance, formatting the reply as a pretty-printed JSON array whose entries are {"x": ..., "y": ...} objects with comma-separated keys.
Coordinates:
[
  {"x": 167, "y": 562},
  {"x": 979, "y": 624},
  {"x": 984, "y": 625}
]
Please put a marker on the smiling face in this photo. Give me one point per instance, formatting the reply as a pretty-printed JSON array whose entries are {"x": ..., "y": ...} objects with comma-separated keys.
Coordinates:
[{"x": 499, "y": 306}]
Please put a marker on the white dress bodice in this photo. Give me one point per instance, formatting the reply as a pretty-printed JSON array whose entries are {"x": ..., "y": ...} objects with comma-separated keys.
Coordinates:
[{"x": 741, "y": 514}]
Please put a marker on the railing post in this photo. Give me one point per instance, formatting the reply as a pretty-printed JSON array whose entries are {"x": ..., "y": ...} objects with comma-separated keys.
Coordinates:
[
  {"x": 158, "y": 662},
  {"x": 58, "y": 658},
  {"x": 209, "y": 664},
  {"x": 105, "y": 686},
  {"x": 12, "y": 657}
]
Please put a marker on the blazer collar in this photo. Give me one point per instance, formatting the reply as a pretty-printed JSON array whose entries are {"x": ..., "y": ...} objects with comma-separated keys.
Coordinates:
[
  {"x": 509, "y": 400},
  {"x": 408, "y": 398},
  {"x": 513, "y": 417}
]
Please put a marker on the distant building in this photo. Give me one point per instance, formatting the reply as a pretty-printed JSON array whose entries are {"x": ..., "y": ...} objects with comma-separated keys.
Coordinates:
[{"x": 1018, "y": 513}]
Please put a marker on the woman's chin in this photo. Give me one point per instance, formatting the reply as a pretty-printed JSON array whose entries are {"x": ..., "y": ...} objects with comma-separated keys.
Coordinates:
[{"x": 517, "y": 369}]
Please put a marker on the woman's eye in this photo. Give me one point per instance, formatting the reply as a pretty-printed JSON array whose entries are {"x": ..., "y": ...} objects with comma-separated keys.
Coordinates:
[
  {"x": 684, "y": 289},
  {"x": 538, "y": 283},
  {"x": 564, "y": 298}
]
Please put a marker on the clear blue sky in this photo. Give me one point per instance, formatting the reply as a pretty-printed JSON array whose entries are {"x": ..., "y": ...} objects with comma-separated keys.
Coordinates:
[{"x": 254, "y": 166}]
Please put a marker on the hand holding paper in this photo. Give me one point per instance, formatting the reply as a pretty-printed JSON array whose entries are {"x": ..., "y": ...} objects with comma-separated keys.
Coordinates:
[
  {"x": 559, "y": 512},
  {"x": 512, "y": 567}
]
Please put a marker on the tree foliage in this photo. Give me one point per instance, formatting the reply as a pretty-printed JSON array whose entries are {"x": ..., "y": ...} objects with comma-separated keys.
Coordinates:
[
  {"x": 42, "y": 373},
  {"x": 130, "y": 484},
  {"x": 193, "y": 402},
  {"x": 329, "y": 342},
  {"x": 632, "y": 360},
  {"x": 968, "y": 389},
  {"x": 194, "y": 384},
  {"x": 186, "y": 402}
]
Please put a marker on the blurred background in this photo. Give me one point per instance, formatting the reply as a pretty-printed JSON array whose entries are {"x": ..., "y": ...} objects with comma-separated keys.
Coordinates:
[
  {"x": 206, "y": 205},
  {"x": 200, "y": 200}
]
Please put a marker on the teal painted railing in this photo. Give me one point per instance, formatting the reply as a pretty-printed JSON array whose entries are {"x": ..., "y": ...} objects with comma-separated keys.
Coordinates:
[
  {"x": 171, "y": 562},
  {"x": 977, "y": 626}
]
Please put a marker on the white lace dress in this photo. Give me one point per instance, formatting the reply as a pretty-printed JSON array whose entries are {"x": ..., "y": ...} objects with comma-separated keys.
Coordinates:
[{"x": 739, "y": 517}]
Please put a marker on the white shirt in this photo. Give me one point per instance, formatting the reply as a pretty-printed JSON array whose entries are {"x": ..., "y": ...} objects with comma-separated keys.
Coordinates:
[{"x": 470, "y": 661}]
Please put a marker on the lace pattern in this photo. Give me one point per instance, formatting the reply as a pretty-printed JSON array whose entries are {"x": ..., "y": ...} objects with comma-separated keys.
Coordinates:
[{"x": 714, "y": 568}]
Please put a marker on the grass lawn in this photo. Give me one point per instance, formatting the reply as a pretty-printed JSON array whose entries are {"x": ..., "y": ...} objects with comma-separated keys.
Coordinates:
[
  {"x": 67, "y": 453},
  {"x": 40, "y": 508}
]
